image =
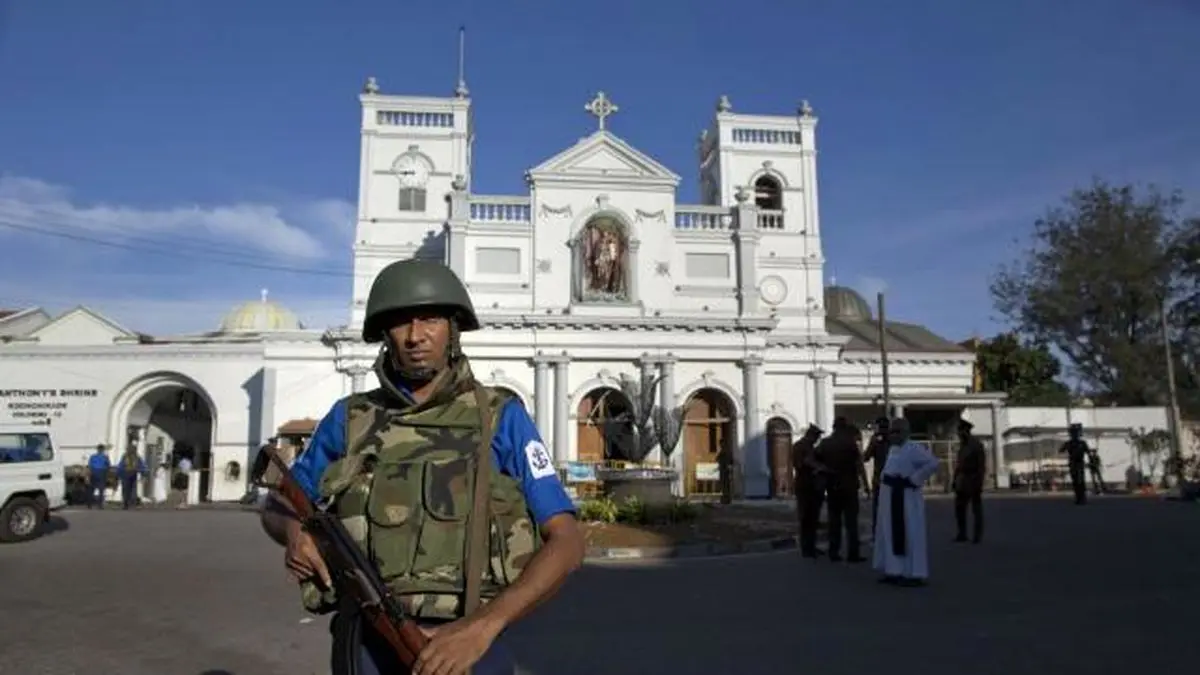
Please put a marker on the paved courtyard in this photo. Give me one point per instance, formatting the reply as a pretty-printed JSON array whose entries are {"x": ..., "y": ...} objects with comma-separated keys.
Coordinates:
[{"x": 1055, "y": 589}]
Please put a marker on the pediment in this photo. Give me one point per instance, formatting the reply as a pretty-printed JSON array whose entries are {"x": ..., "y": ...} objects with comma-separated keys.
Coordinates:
[
  {"x": 606, "y": 158},
  {"x": 80, "y": 327}
]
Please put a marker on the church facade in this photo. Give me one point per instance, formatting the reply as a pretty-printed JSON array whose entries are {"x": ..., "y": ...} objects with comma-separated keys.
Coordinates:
[{"x": 596, "y": 274}]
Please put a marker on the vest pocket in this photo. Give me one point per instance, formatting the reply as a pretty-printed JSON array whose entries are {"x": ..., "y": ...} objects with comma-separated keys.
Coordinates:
[
  {"x": 447, "y": 495},
  {"x": 394, "y": 508}
]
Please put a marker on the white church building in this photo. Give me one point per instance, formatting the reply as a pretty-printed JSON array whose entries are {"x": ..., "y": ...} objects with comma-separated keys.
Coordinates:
[{"x": 597, "y": 272}]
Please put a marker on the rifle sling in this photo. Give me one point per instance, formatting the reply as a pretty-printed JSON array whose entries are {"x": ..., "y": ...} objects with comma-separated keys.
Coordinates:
[{"x": 478, "y": 552}]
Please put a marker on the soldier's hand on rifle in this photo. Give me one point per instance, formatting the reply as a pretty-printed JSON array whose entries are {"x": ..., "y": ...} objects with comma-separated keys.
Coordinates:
[
  {"x": 454, "y": 648},
  {"x": 303, "y": 558}
]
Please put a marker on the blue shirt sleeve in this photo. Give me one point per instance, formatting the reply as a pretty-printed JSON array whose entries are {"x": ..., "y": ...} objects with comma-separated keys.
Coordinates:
[
  {"x": 517, "y": 449},
  {"x": 327, "y": 445},
  {"x": 519, "y": 452}
]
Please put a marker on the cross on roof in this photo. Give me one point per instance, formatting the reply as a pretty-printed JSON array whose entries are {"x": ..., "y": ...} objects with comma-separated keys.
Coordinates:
[{"x": 601, "y": 107}]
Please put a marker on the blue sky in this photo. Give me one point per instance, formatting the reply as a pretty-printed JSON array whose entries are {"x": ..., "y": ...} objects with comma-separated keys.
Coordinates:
[{"x": 190, "y": 133}]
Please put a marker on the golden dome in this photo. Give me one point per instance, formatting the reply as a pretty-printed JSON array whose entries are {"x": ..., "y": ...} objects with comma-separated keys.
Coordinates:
[{"x": 259, "y": 316}]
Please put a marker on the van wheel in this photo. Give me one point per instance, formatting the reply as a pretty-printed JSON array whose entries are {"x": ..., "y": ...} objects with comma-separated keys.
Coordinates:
[{"x": 21, "y": 520}]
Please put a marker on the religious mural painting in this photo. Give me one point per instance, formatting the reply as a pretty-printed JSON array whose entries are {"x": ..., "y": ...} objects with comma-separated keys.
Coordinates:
[{"x": 603, "y": 261}]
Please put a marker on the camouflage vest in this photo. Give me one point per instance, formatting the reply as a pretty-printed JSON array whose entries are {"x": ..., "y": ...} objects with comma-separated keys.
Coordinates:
[{"x": 405, "y": 491}]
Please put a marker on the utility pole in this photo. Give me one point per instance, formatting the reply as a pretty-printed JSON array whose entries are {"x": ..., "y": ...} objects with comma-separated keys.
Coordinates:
[
  {"x": 883, "y": 354},
  {"x": 1175, "y": 421}
]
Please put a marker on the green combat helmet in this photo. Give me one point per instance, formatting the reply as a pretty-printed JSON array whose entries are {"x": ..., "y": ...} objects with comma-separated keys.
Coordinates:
[{"x": 407, "y": 284}]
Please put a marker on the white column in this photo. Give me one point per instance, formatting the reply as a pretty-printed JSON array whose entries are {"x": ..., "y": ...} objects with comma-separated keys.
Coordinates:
[
  {"x": 666, "y": 386},
  {"x": 822, "y": 400},
  {"x": 562, "y": 396},
  {"x": 646, "y": 365},
  {"x": 193, "y": 487},
  {"x": 266, "y": 419},
  {"x": 666, "y": 398},
  {"x": 456, "y": 227},
  {"x": 541, "y": 395},
  {"x": 358, "y": 378},
  {"x": 999, "y": 468},
  {"x": 750, "y": 475}
]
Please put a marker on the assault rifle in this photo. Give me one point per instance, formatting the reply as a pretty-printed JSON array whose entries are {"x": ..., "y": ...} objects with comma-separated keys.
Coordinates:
[{"x": 355, "y": 579}]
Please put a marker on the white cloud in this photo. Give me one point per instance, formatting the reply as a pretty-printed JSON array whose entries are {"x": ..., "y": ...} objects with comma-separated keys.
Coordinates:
[{"x": 31, "y": 203}]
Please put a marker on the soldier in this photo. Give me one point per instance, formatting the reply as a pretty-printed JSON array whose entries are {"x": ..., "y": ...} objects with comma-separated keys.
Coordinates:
[
  {"x": 810, "y": 493},
  {"x": 1094, "y": 468},
  {"x": 970, "y": 468},
  {"x": 1077, "y": 451},
  {"x": 424, "y": 426},
  {"x": 876, "y": 454},
  {"x": 840, "y": 453},
  {"x": 129, "y": 469}
]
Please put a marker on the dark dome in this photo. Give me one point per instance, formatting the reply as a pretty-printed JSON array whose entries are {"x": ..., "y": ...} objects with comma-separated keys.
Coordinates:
[{"x": 846, "y": 304}]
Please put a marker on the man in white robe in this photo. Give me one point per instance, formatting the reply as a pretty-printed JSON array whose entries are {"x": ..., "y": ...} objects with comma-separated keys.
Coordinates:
[{"x": 901, "y": 544}]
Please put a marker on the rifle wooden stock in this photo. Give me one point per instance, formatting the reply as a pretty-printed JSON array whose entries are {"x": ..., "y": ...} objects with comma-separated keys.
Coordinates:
[{"x": 355, "y": 578}]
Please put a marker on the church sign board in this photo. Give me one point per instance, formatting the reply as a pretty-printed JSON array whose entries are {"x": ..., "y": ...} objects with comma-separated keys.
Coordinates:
[{"x": 41, "y": 407}]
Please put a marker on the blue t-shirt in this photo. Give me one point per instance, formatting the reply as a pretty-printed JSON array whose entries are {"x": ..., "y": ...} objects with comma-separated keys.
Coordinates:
[
  {"x": 517, "y": 450},
  {"x": 99, "y": 463}
]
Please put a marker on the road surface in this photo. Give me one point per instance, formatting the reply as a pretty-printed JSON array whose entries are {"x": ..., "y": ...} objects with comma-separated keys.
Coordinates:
[{"x": 1110, "y": 587}]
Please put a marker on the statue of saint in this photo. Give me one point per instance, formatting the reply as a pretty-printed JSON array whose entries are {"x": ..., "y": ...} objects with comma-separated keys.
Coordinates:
[{"x": 603, "y": 260}]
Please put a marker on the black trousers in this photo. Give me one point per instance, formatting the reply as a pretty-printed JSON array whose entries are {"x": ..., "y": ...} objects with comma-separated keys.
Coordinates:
[
  {"x": 129, "y": 492},
  {"x": 843, "y": 519},
  {"x": 1078, "y": 484},
  {"x": 1097, "y": 480},
  {"x": 809, "y": 500},
  {"x": 973, "y": 500},
  {"x": 875, "y": 499}
]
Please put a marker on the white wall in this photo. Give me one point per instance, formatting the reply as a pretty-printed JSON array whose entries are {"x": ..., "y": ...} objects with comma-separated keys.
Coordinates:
[
  {"x": 1106, "y": 429},
  {"x": 91, "y": 391}
]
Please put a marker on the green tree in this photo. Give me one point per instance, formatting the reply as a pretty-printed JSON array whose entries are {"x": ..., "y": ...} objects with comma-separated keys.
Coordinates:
[
  {"x": 1092, "y": 283},
  {"x": 1027, "y": 372}
]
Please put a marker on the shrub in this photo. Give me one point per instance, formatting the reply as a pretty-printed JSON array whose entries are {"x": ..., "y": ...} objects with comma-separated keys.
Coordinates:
[
  {"x": 601, "y": 510},
  {"x": 633, "y": 511}
]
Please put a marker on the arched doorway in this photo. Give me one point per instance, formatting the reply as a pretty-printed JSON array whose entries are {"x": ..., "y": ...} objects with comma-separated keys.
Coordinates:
[
  {"x": 602, "y": 423},
  {"x": 779, "y": 453},
  {"x": 167, "y": 418},
  {"x": 509, "y": 392},
  {"x": 708, "y": 440}
]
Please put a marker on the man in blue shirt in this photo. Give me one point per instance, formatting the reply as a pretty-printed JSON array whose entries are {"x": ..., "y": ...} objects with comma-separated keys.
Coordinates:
[
  {"x": 418, "y": 310},
  {"x": 98, "y": 466}
]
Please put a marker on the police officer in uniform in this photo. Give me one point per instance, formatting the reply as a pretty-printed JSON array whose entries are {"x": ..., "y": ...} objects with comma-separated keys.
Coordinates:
[
  {"x": 810, "y": 491},
  {"x": 839, "y": 452},
  {"x": 414, "y": 509},
  {"x": 876, "y": 454},
  {"x": 970, "y": 470},
  {"x": 1096, "y": 470},
  {"x": 1077, "y": 451}
]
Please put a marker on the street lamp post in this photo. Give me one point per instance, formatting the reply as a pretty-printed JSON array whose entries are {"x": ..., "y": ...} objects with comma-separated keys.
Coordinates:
[{"x": 1175, "y": 422}]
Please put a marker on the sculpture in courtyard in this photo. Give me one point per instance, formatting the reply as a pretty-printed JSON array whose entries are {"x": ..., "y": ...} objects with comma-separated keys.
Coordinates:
[
  {"x": 640, "y": 424},
  {"x": 603, "y": 258}
]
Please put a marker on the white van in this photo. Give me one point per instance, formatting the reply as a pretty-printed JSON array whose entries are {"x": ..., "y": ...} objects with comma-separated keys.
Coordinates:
[{"x": 32, "y": 483}]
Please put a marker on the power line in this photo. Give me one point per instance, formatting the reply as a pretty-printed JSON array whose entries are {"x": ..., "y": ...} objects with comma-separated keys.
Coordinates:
[
  {"x": 47, "y": 217},
  {"x": 176, "y": 251}
]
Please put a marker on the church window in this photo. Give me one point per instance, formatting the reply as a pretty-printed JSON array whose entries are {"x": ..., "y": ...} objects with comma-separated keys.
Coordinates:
[
  {"x": 768, "y": 194},
  {"x": 412, "y": 199},
  {"x": 602, "y": 261}
]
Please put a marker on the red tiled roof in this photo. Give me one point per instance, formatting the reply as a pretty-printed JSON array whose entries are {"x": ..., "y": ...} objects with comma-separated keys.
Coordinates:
[{"x": 302, "y": 427}]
